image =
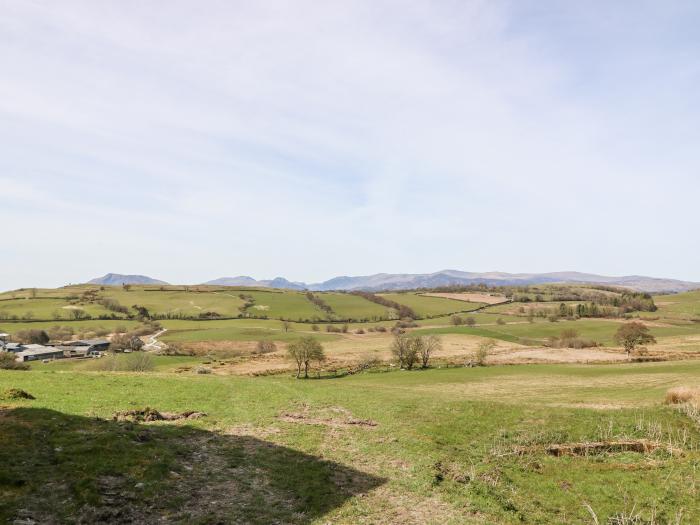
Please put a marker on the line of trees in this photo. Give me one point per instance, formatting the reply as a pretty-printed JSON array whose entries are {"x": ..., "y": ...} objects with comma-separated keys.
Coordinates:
[
  {"x": 320, "y": 303},
  {"x": 402, "y": 310}
]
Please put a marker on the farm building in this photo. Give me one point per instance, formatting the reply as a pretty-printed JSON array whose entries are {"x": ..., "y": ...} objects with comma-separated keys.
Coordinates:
[
  {"x": 93, "y": 344},
  {"x": 38, "y": 352}
]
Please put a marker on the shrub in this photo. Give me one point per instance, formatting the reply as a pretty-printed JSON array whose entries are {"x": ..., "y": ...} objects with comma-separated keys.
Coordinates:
[
  {"x": 137, "y": 362},
  {"x": 500, "y": 321},
  {"x": 456, "y": 320},
  {"x": 314, "y": 327},
  {"x": 265, "y": 347},
  {"x": 470, "y": 321},
  {"x": 8, "y": 361},
  {"x": 60, "y": 333},
  {"x": 128, "y": 341},
  {"x": 36, "y": 337},
  {"x": 483, "y": 350},
  {"x": 202, "y": 370},
  {"x": 359, "y": 331}
]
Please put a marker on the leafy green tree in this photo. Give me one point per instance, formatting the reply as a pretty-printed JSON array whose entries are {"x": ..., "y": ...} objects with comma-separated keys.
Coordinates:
[{"x": 631, "y": 335}]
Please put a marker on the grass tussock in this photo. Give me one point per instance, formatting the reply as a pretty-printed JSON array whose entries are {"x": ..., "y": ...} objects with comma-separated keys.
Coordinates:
[{"x": 683, "y": 394}]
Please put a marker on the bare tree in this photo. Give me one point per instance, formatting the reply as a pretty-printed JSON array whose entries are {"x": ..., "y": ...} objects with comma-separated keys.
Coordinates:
[
  {"x": 405, "y": 350},
  {"x": 470, "y": 321},
  {"x": 286, "y": 325},
  {"x": 426, "y": 347},
  {"x": 304, "y": 351}
]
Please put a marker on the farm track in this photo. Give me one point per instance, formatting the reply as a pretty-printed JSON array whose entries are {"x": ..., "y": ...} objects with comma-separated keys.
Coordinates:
[{"x": 153, "y": 344}]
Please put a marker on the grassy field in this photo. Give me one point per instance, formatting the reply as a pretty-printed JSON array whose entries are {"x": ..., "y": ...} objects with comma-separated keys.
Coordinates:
[
  {"x": 426, "y": 306},
  {"x": 354, "y": 307},
  {"x": 599, "y": 330},
  {"x": 227, "y": 302},
  {"x": 46, "y": 308},
  {"x": 682, "y": 305},
  {"x": 236, "y": 330},
  {"x": 432, "y": 446}
]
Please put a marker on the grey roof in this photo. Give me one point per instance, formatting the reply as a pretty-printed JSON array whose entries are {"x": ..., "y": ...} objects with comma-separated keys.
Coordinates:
[
  {"x": 41, "y": 350},
  {"x": 89, "y": 342}
]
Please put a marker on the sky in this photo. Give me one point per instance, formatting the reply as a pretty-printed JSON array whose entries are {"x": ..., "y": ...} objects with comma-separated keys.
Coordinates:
[{"x": 194, "y": 140}]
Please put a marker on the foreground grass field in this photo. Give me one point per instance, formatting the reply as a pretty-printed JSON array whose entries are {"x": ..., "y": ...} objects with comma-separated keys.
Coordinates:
[{"x": 437, "y": 446}]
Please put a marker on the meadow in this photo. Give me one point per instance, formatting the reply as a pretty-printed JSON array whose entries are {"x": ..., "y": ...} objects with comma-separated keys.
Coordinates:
[
  {"x": 436, "y": 446},
  {"x": 361, "y": 441}
]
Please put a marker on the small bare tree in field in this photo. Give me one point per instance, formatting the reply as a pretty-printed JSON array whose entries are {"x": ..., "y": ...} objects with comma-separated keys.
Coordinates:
[
  {"x": 631, "y": 335},
  {"x": 405, "y": 351},
  {"x": 304, "y": 351},
  {"x": 470, "y": 321},
  {"x": 286, "y": 325},
  {"x": 427, "y": 346},
  {"x": 483, "y": 351}
]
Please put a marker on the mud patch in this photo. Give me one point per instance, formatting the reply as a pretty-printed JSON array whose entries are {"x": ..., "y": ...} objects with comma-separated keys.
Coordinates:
[
  {"x": 641, "y": 446},
  {"x": 329, "y": 416},
  {"x": 150, "y": 414}
]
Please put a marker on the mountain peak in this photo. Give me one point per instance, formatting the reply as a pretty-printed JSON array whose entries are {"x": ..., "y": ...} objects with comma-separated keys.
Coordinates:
[{"x": 117, "y": 279}]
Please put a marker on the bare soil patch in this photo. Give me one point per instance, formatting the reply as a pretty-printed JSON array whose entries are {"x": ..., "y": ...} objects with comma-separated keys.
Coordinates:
[
  {"x": 151, "y": 414},
  {"x": 641, "y": 446},
  {"x": 329, "y": 416}
]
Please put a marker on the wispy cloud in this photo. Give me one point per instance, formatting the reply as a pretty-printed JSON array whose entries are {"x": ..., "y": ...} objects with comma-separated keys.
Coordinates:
[{"x": 347, "y": 137}]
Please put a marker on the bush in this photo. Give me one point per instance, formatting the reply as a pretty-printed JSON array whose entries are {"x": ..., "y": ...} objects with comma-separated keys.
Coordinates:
[
  {"x": 60, "y": 333},
  {"x": 359, "y": 331},
  {"x": 569, "y": 338},
  {"x": 36, "y": 337},
  {"x": 128, "y": 341},
  {"x": 483, "y": 350},
  {"x": 265, "y": 347},
  {"x": 456, "y": 320},
  {"x": 500, "y": 321},
  {"x": 137, "y": 362},
  {"x": 8, "y": 362},
  {"x": 202, "y": 370},
  {"x": 470, "y": 321}
]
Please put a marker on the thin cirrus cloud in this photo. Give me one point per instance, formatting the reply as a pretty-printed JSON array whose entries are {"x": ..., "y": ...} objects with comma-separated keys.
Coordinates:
[{"x": 314, "y": 139}]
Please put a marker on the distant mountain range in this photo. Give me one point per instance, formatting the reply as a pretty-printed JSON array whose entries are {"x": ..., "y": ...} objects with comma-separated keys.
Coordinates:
[
  {"x": 117, "y": 279},
  {"x": 409, "y": 281}
]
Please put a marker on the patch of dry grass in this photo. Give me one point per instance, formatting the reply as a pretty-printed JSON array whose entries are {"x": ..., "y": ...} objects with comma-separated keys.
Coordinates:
[{"x": 683, "y": 394}]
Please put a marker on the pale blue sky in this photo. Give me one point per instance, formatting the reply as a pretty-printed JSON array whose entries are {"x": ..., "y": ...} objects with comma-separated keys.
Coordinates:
[{"x": 192, "y": 140}]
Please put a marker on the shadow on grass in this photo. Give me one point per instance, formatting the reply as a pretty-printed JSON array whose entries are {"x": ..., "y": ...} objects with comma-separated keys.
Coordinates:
[{"x": 59, "y": 468}]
